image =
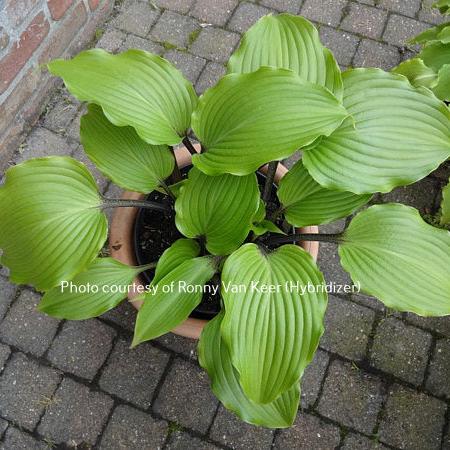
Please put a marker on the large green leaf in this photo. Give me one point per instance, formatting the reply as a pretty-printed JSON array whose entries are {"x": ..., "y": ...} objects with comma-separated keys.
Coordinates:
[
  {"x": 439, "y": 33},
  {"x": 417, "y": 73},
  {"x": 173, "y": 301},
  {"x": 214, "y": 357},
  {"x": 122, "y": 155},
  {"x": 249, "y": 119},
  {"x": 134, "y": 88},
  {"x": 288, "y": 42},
  {"x": 220, "y": 209},
  {"x": 442, "y": 88},
  {"x": 306, "y": 202},
  {"x": 435, "y": 55},
  {"x": 445, "y": 205},
  {"x": 399, "y": 258},
  {"x": 99, "y": 288},
  {"x": 443, "y": 6},
  {"x": 399, "y": 135},
  {"x": 51, "y": 226},
  {"x": 272, "y": 336}
]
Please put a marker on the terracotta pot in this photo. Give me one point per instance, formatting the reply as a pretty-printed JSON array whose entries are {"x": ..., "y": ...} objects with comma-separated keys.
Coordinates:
[{"x": 122, "y": 248}]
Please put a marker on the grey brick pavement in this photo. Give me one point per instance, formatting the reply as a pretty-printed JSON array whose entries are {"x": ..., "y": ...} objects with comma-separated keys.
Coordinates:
[{"x": 378, "y": 381}]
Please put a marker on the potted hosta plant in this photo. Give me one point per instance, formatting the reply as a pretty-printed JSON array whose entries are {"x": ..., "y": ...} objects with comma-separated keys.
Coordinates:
[{"x": 219, "y": 221}]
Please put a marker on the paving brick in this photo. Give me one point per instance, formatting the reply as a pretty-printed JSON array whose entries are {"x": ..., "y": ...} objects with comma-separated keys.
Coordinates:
[
  {"x": 26, "y": 388},
  {"x": 399, "y": 29},
  {"x": 364, "y": 20},
  {"x": 351, "y": 397},
  {"x": 376, "y": 54},
  {"x": 123, "y": 315},
  {"x": 407, "y": 8},
  {"x": 7, "y": 294},
  {"x": 312, "y": 379},
  {"x": 3, "y": 426},
  {"x": 181, "y": 6},
  {"x": 367, "y": 300},
  {"x": 230, "y": 431},
  {"x": 111, "y": 40},
  {"x": 60, "y": 115},
  {"x": 5, "y": 351},
  {"x": 211, "y": 74},
  {"x": 190, "y": 65},
  {"x": 289, "y": 6},
  {"x": 308, "y": 432},
  {"x": 19, "y": 440},
  {"x": 131, "y": 429},
  {"x": 138, "y": 18},
  {"x": 42, "y": 142},
  {"x": 439, "y": 325},
  {"x": 186, "y": 398},
  {"x": 179, "y": 344},
  {"x": 328, "y": 12},
  {"x": 179, "y": 440},
  {"x": 143, "y": 44},
  {"x": 175, "y": 29},
  {"x": 76, "y": 415},
  {"x": 112, "y": 191},
  {"x": 58, "y": 7},
  {"x": 216, "y": 12},
  {"x": 101, "y": 180},
  {"x": 342, "y": 44},
  {"x": 355, "y": 441},
  {"x": 245, "y": 16},
  {"x": 329, "y": 263},
  {"x": 133, "y": 374},
  {"x": 429, "y": 14},
  {"x": 401, "y": 350},
  {"x": 25, "y": 327},
  {"x": 347, "y": 328},
  {"x": 215, "y": 44},
  {"x": 438, "y": 381},
  {"x": 412, "y": 420},
  {"x": 81, "y": 347}
]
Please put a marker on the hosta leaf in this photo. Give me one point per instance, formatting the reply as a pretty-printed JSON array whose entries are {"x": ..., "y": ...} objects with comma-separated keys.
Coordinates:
[
  {"x": 265, "y": 226},
  {"x": 435, "y": 55},
  {"x": 431, "y": 34},
  {"x": 443, "y": 6},
  {"x": 179, "y": 252},
  {"x": 220, "y": 209},
  {"x": 306, "y": 202},
  {"x": 134, "y": 88},
  {"x": 287, "y": 42},
  {"x": 442, "y": 88},
  {"x": 122, "y": 155},
  {"x": 400, "y": 134},
  {"x": 445, "y": 205},
  {"x": 214, "y": 357},
  {"x": 399, "y": 258},
  {"x": 417, "y": 73},
  {"x": 171, "y": 303},
  {"x": 249, "y": 119},
  {"x": 272, "y": 336},
  {"x": 108, "y": 282},
  {"x": 51, "y": 226}
]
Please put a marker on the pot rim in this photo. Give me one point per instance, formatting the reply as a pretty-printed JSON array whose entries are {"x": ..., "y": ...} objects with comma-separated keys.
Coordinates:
[{"x": 121, "y": 243}]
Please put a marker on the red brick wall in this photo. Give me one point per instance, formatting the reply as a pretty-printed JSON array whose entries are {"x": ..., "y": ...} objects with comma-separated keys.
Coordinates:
[{"x": 33, "y": 32}]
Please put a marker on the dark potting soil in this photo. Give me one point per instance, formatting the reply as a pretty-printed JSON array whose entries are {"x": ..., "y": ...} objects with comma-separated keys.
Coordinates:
[{"x": 155, "y": 231}]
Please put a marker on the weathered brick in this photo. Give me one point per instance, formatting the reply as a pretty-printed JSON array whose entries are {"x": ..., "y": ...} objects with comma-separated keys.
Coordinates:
[
  {"x": 93, "y": 4},
  {"x": 355, "y": 441},
  {"x": 137, "y": 19},
  {"x": 328, "y": 12},
  {"x": 245, "y": 16},
  {"x": 73, "y": 132},
  {"x": 329, "y": 263},
  {"x": 186, "y": 398},
  {"x": 215, "y": 44},
  {"x": 181, "y": 6},
  {"x": 429, "y": 14},
  {"x": 351, "y": 397},
  {"x": 342, "y": 44},
  {"x": 111, "y": 40},
  {"x": 143, "y": 44},
  {"x": 21, "y": 51},
  {"x": 183, "y": 441},
  {"x": 347, "y": 328},
  {"x": 190, "y": 65},
  {"x": 7, "y": 293},
  {"x": 400, "y": 28},
  {"x": 407, "y": 8},
  {"x": 81, "y": 347},
  {"x": 401, "y": 350},
  {"x": 364, "y": 20},
  {"x": 308, "y": 432},
  {"x": 440, "y": 325},
  {"x": 229, "y": 430},
  {"x": 216, "y": 12},
  {"x": 412, "y": 420},
  {"x": 123, "y": 315},
  {"x": 25, "y": 327},
  {"x": 312, "y": 379},
  {"x": 26, "y": 388},
  {"x": 376, "y": 54},
  {"x": 100, "y": 179},
  {"x": 174, "y": 29},
  {"x": 4, "y": 38},
  {"x": 5, "y": 351},
  {"x": 131, "y": 429},
  {"x": 133, "y": 374},
  {"x": 367, "y": 300},
  {"x": 58, "y": 7},
  {"x": 179, "y": 344},
  {"x": 3, "y": 426},
  {"x": 61, "y": 113},
  {"x": 438, "y": 381},
  {"x": 289, "y": 6},
  {"x": 19, "y": 440},
  {"x": 76, "y": 415},
  {"x": 210, "y": 76}
]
